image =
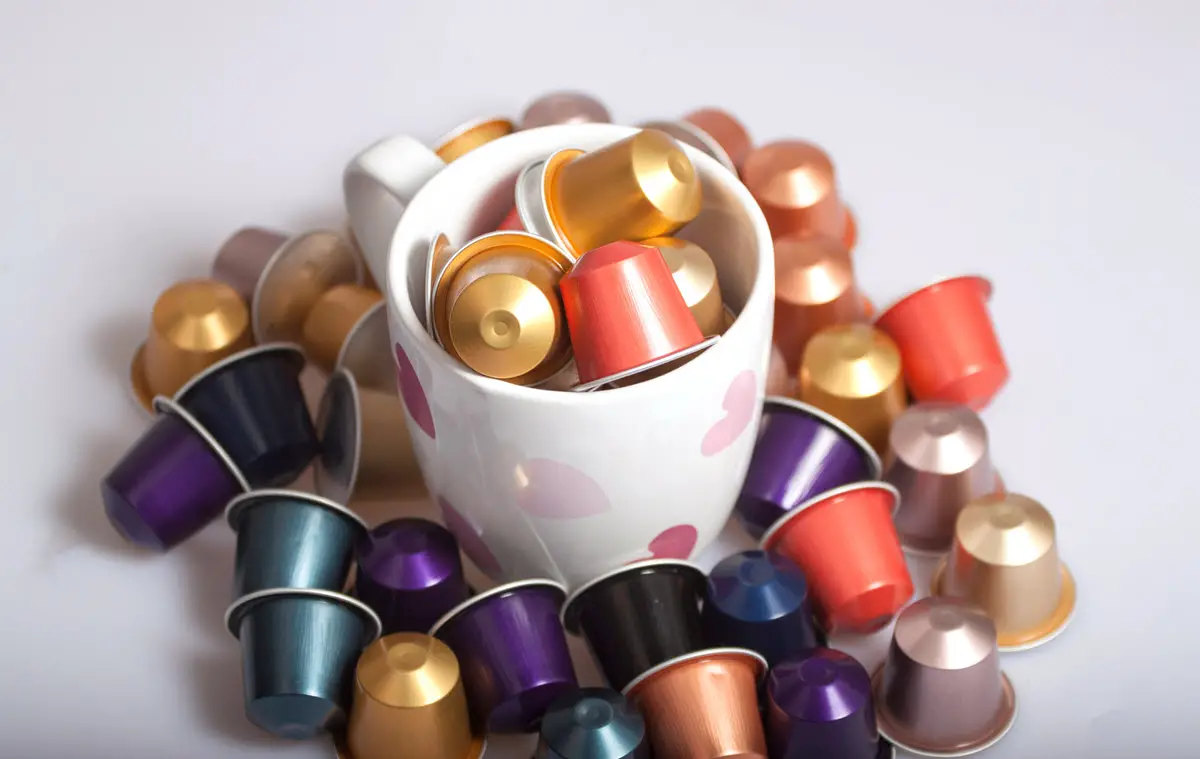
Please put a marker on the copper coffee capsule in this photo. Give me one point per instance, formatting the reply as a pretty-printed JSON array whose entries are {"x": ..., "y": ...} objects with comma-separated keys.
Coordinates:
[
  {"x": 409, "y": 702},
  {"x": 637, "y": 188},
  {"x": 814, "y": 289},
  {"x": 194, "y": 324},
  {"x": 938, "y": 460},
  {"x": 332, "y": 319},
  {"x": 299, "y": 273},
  {"x": 796, "y": 187},
  {"x": 722, "y": 126},
  {"x": 497, "y": 309},
  {"x": 1005, "y": 559},
  {"x": 852, "y": 371},
  {"x": 696, "y": 276},
  {"x": 941, "y": 692},
  {"x": 467, "y": 136}
]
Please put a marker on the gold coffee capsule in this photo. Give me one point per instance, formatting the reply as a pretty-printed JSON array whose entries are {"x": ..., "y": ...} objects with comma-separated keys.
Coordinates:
[
  {"x": 409, "y": 701},
  {"x": 852, "y": 371},
  {"x": 1005, "y": 560},
  {"x": 464, "y": 138},
  {"x": 194, "y": 324},
  {"x": 332, "y": 319},
  {"x": 814, "y": 289},
  {"x": 496, "y": 307},
  {"x": 696, "y": 276},
  {"x": 637, "y": 188}
]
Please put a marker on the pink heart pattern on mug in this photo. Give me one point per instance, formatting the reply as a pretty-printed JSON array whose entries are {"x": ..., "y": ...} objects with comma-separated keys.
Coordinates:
[
  {"x": 409, "y": 385},
  {"x": 555, "y": 490},
  {"x": 676, "y": 542},
  {"x": 469, "y": 539},
  {"x": 739, "y": 410}
]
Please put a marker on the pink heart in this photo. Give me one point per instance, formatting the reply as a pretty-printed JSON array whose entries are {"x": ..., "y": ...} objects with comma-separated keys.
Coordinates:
[
  {"x": 469, "y": 540},
  {"x": 739, "y": 410},
  {"x": 674, "y": 542},
  {"x": 413, "y": 394},
  {"x": 560, "y": 491}
]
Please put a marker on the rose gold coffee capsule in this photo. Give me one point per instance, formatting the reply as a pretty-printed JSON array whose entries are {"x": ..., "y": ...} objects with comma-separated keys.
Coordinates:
[
  {"x": 299, "y": 273},
  {"x": 366, "y": 352},
  {"x": 814, "y": 289},
  {"x": 409, "y": 701},
  {"x": 938, "y": 459},
  {"x": 1005, "y": 559},
  {"x": 690, "y": 134},
  {"x": 333, "y": 317},
  {"x": 730, "y": 134},
  {"x": 696, "y": 276},
  {"x": 852, "y": 371},
  {"x": 497, "y": 309},
  {"x": 940, "y": 692},
  {"x": 470, "y": 135},
  {"x": 796, "y": 187},
  {"x": 637, "y": 188},
  {"x": 564, "y": 108},
  {"x": 194, "y": 324},
  {"x": 242, "y": 258},
  {"x": 703, "y": 705}
]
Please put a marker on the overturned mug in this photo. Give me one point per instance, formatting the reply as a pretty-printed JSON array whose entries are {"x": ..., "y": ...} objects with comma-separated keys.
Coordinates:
[{"x": 509, "y": 463}]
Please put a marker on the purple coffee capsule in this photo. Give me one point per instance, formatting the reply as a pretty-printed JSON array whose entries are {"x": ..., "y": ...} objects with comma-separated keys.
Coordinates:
[
  {"x": 819, "y": 704},
  {"x": 512, "y": 652},
  {"x": 170, "y": 483},
  {"x": 409, "y": 573},
  {"x": 801, "y": 452}
]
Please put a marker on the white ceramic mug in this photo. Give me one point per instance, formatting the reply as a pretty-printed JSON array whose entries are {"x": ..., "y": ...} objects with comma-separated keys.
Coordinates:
[{"x": 537, "y": 483}]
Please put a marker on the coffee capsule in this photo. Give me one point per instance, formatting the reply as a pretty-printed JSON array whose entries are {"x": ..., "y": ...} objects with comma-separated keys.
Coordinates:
[
  {"x": 593, "y": 723},
  {"x": 556, "y": 108},
  {"x": 819, "y": 704},
  {"x": 814, "y": 289},
  {"x": 853, "y": 372},
  {"x": 696, "y": 275},
  {"x": 172, "y": 481},
  {"x": 410, "y": 573},
  {"x": 299, "y": 648},
  {"x": 332, "y": 320},
  {"x": 511, "y": 222},
  {"x": 512, "y": 651},
  {"x": 728, "y": 132},
  {"x": 948, "y": 342},
  {"x": 467, "y": 136},
  {"x": 496, "y": 307},
  {"x": 796, "y": 188},
  {"x": 690, "y": 134},
  {"x": 638, "y": 616},
  {"x": 759, "y": 601},
  {"x": 1005, "y": 559},
  {"x": 940, "y": 692},
  {"x": 938, "y": 460},
  {"x": 637, "y": 188},
  {"x": 800, "y": 453},
  {"x": 253, "y": 405},
  {"x": 242, "y": 259},
  {"x": 366, "y": 451},
  {"x": 779, "y": 379},
  {"x": 194, "y": 324},
  {"x": 299, "y": 272},
  {"x": 626, "y": 315},
  {"x": 367, "y": 351},
  {"x": 409, "y": 701},
  {"x": 291, "y": 539},
  {"x": 704, "y": 704},
  {"x": 846, "y": 545}
]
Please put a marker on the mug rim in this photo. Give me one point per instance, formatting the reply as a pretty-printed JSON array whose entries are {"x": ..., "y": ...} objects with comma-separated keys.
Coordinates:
[{"x": 401, "y": 308}]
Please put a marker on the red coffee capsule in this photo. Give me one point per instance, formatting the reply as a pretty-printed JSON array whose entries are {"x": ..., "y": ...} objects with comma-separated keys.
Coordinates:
[
  {"x": 626, "y": 315},
  {"x": 948, "y": 344}
]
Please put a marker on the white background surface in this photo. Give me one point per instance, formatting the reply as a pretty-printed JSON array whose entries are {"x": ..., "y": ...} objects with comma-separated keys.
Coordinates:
[{"x": 1050, "y": 146}]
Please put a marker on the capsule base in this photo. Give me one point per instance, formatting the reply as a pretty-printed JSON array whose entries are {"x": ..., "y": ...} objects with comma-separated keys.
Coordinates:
[{"x": 894, "y": 733}]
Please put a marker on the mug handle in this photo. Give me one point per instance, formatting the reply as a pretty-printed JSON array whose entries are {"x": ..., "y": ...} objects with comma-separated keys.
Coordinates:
[{"x": 379, "y": 183}]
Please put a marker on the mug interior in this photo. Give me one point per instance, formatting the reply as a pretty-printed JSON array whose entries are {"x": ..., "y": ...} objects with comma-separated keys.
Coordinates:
[{"x": 472, "y": 195}]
